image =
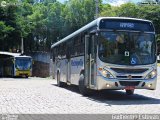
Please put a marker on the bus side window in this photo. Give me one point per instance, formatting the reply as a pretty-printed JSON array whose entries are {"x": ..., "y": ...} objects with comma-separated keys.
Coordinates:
[
  {"x": 53, "y": 54},
  {"x": 13, "y": 61},
  {"x": 58, "y": 52},
  {"x": 82, "y": 46},
  {"x": 63, "y": 50},
  {"x": 72, "y": 47},
  {"x": 68, "y": 52},
  {"x": 76, "y": 46},
  {"x": 69, "y": 49}
]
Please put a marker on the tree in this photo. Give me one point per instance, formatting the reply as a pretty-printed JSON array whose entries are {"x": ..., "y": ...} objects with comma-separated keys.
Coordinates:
[
  {"x": 77, "y": 13},
  {"x": 7, "y": 26},
  {"x": 151, "y": 12},
  {"x": 43, "y": 22}
]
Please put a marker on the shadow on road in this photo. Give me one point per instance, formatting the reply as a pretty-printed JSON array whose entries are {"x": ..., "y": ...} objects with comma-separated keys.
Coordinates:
[
  {"x": 120, "y": 98},
  {"x": 14, "y": 78},
  {"x": 115, "y": 97}
]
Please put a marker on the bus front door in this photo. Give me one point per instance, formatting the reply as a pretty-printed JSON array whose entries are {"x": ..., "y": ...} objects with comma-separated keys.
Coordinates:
[{"x": 90, "y": 61}]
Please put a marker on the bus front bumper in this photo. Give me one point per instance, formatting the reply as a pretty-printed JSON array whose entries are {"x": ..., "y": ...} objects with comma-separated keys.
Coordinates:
[
  {"x": 118, "y": 84},
  {"x": 23, "y": 73}
]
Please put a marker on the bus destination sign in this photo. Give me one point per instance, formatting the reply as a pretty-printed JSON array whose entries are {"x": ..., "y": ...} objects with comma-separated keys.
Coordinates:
[
  {"x": 127, "y": 25},
  {"x": 135, "y": 25}
]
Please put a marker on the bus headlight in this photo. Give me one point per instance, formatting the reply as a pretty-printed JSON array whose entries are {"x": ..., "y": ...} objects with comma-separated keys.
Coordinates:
[
  {"x": 151, "y": 74},
  {"x": 106, "y": 74}
]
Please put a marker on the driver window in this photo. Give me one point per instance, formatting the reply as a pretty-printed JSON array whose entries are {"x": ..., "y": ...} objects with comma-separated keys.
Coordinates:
[
  {"x": 144, "y": 44},
  {"x": 120, "y": 44}
]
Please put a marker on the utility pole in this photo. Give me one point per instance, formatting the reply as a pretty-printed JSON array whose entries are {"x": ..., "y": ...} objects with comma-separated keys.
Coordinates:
[
  {"x": 22, "y": 47},
  {"x": 97, "y": 9},
  {"x": 22, "y": 42}
]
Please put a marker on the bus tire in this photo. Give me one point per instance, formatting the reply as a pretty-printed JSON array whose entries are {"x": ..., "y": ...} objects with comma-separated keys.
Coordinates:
[
  {"x": 59, "y": 83},
  {"x": 129, "y": 92},
  {"x": 82, "y": 88}
]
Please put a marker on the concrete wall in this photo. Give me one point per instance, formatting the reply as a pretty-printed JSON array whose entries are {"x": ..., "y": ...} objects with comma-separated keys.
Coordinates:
[
  {"x": 40, "y": 56},
  {"x": 40, "y": 69},
  {"x": 41, "y": 66}
]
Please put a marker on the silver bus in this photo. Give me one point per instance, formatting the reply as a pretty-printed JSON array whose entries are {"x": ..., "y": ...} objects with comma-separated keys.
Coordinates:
[{"x": 115, "y": 53}]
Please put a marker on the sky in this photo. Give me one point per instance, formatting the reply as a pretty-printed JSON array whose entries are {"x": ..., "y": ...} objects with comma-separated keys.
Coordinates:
[{"x": 114, "y": 2}]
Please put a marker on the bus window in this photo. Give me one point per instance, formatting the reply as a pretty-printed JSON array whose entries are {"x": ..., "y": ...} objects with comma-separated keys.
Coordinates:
[{"x": 120, "y": 47}]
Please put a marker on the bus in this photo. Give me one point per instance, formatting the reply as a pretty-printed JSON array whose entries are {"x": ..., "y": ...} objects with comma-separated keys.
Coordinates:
[
  {"x": 15, "y": 65},
  {"x": 116, "y": 53},
  {"x": 158, "y": 50}
]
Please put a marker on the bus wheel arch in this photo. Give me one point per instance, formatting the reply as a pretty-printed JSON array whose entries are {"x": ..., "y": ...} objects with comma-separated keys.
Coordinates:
[
  {"x": 82, "y": 72},
  {"x": 59, "y": 83},
  {"x": 82, "y": 88},
  {"x": 58, "y": 79}
]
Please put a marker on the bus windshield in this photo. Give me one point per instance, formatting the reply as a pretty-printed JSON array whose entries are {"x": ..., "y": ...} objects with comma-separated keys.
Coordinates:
[
  {"x": 127, "y": 48},
  {"x": 23, "y": 63}
]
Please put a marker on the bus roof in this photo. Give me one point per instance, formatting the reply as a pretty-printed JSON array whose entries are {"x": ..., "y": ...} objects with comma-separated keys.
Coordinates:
[
  {"x": 13, "y": 54},
  {"x": 92, "y": 24}
]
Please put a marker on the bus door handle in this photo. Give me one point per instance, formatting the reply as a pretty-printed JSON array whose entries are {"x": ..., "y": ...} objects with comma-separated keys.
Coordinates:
[
  {"x": 87, "y": 61},
  {"x": 92, "y": 60}
]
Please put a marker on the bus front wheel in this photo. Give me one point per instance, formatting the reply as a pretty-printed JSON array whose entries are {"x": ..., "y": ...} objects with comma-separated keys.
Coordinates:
[
  {"x": 82, "y": 88},
  {"x": 129, "y": 92}
]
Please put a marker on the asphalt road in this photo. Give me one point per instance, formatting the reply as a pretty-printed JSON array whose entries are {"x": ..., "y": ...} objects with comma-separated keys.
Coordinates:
[{"x": 41, "y": 96}]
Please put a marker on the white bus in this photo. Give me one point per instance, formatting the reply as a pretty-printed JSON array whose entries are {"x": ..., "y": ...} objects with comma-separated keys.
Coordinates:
[{"x": 109, "y": 53}]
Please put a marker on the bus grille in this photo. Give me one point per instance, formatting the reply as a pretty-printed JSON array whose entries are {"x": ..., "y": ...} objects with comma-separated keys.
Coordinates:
[
  {"x": 129, "y": 83},
  {"x": 124, "y": 70},
  {"x": 126, "y": 77}
]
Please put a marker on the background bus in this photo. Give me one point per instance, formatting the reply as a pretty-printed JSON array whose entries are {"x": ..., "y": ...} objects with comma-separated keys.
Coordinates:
[
  {"x": 15, "y": 65},
  {"x": 108, "y": 53}
]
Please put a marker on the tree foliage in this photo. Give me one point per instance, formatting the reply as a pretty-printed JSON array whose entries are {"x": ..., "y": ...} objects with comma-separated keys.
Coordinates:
[
  {"x": 149, "y": 12},
  {"x": 42, "y": 22}
]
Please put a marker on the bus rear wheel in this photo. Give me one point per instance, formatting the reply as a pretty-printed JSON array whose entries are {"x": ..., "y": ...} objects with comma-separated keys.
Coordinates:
[
  {"x": 129, "y": 92},
  {"x": 82, "y": 88}
]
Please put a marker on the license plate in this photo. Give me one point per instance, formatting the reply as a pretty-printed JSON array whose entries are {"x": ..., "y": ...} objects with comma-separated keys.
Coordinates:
[{"x": 129, "y": 87}]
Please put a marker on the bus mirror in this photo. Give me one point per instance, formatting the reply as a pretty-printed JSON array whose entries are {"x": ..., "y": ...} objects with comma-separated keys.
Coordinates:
[{"x": 93, "y": 32}]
